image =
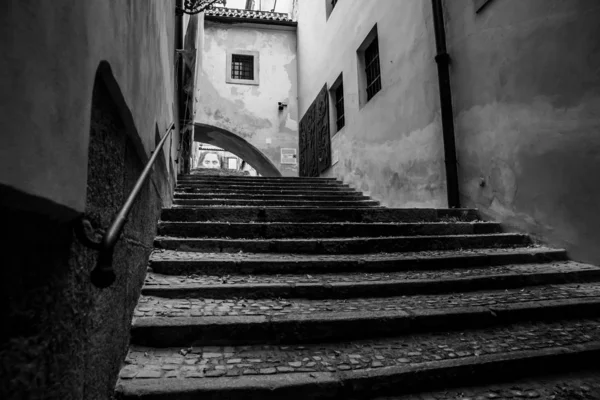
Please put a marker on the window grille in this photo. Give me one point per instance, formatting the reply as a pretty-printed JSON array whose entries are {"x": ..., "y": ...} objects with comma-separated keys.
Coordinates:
[
  {"x": 242, "y": 67},
  {"x": 373, "y": 69},
  {"x": 339, "y": 106}
]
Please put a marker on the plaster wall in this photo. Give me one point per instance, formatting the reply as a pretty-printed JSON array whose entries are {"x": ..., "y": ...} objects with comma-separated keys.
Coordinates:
[
  {"x": 526, "y": 92},
  {"x": 87, "y": 91},
  {"x": 51, "y": 51},
  {"x": 251, "y": 111},
  {"x": 391, "y": 148}
]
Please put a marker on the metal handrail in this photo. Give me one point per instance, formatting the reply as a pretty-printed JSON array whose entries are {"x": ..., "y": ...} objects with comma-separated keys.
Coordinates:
[{"x": 103, "y": 274}]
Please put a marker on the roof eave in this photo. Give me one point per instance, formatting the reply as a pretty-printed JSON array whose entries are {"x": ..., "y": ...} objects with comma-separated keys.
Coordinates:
[{"x": 238, "y": 20}]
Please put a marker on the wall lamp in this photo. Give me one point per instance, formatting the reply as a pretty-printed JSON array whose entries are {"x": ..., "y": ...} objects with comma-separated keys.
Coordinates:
[{"x": 281, "y": 106}]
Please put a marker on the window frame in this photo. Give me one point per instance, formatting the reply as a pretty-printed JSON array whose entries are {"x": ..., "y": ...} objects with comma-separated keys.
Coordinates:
[
  {"x": 329, "y": 7},
  {"x": 335, "y": 103},
  {"x": 242, "y": 65},
  {"x": 255, "y": 67},
  {"x": 369, "y": 68},
  {"x": 339, "y": 104}
]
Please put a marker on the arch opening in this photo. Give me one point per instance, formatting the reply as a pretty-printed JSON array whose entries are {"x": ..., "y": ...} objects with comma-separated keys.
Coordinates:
[{"x": 237, "y": 145}]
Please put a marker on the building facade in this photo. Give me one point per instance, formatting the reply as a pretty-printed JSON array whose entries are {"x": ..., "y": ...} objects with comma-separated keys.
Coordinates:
[
  {"x": 525, "y": 93},
  {"x": 246, "y": 93}
]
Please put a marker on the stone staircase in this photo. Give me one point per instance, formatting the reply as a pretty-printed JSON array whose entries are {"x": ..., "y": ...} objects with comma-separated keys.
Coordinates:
[{"x": 303, "y": 288}]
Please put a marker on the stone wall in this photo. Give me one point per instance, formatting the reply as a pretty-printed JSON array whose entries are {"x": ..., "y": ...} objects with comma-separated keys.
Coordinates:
[
  {"x": 526, "y": 92},
  {"x": 391, "y": 147}
]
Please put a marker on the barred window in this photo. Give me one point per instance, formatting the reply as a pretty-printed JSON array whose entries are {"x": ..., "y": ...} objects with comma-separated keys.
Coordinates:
[
  {"x": 372, "y": 69},
  {"x": 333, "y": 3},
  {"x": 339, "y": 106},
  {"x": 242, "y": 67}
]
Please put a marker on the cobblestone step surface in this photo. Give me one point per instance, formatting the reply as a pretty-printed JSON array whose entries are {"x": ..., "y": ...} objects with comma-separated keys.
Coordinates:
[
  {"x": 290, "y": 191},
  {"x": 360, "y": 369},
  {"x": 580, "y": 385},
  {"x": 264, "y": 185},
  {"x": 353, "y": 285},
  {"x": 165, "y": 322},
  {"x": 274, "y": 230},
  {"x": 305, "y": 289},
  {"x": 343, "y": 196},
  {"x": 264, "y": 214},
  {"x": 230, "y": 178},
  {"x": 343, "y": 245},
  {"x": 281, "y": 203},
  {"x": 171, "y": 262}
]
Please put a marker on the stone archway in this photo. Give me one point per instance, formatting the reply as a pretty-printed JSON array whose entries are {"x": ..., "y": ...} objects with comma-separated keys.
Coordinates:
[{"x": 235, "y": 144}]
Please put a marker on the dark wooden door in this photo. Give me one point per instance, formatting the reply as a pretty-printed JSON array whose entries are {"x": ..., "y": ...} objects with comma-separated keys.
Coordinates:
[{"x": 314, "y": 141}]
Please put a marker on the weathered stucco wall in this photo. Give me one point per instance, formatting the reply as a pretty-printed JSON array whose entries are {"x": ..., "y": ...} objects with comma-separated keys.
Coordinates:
[
  {"x": 251, "y": 111},
  {"x": 392, "y": 148},
  {"x": 50, "y": 52},
  {"x": 526, "y": 88},
  {"x": 86, "y": 92}
]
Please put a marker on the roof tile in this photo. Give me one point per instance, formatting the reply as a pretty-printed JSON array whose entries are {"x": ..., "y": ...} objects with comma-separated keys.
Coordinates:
[{"x": 248, "y": 14}]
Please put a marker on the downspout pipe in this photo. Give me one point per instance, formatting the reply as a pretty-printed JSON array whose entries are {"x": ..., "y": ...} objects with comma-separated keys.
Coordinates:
[
  {"x": 443, "y": 62},
  {"x": 179, "y": 61}
]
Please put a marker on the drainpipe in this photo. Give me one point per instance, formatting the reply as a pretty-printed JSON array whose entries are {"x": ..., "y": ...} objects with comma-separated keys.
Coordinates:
[
  {"x": 179, "y": 61},
  {"x": 443, "y": 61}
]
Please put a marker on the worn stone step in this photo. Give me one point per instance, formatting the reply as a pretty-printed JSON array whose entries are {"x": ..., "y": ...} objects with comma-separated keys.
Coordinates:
[
  {"x": 354, "y": 285},
  {"x": 578, "y": 383},
  {"x": 279, "y": 230},
  {"x": 187, "y": 263},
  {"x": 358, "y": 245},
  {"x": 347, "y": 196},
  {"x": 280, "y": 203},
  {"x": 254, "y": 190},
  {"x": 360, "y": 369},
  {"x": 265, "y": 185},
  {"x": 263, "y": 214},
  {"x": 162, "y": 322},
  {"x": 201, "y": 178}
]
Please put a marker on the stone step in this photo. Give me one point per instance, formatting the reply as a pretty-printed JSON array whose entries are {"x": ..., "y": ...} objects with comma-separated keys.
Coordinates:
[
  {"x": 279, "y": 203},
  {"x": 346, "y": 196},
  {"x": 580, "y": 384},
  {"x": 201, "y": 178},
  {"x": 254, "y": 190},
  {"x": 279, "y": 230},
  {"x": 187, "y": 263},
  {"x": 265, "y": 185},
  {"x": 162, "y": 322},
  {"x": 360, "y": 369},
  {"x": 355, "y": 285},
  {"x": 359, "y": 245},
  {"x": 263, "y": 214}
]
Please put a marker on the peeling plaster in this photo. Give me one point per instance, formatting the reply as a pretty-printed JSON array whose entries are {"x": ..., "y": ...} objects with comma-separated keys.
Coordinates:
[
  {"x": 528, "y": 117},
  {"x": 251, "y": 111}
]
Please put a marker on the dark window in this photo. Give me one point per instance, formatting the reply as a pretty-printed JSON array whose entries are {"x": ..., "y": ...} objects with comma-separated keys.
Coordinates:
[
  {"x": 333, "y": 3},
  {"x": 339, "y": 106},
  {"x": 372, "y": 69},
  {"x": 242, "y": 67}
]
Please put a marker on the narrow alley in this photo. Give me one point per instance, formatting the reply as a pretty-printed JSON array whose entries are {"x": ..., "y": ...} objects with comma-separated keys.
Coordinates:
[{"x": 300, "y": 199}]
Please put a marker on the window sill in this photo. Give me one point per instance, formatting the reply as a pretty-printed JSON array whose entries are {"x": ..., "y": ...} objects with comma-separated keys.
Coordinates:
[{"x": 242, "y": 81}]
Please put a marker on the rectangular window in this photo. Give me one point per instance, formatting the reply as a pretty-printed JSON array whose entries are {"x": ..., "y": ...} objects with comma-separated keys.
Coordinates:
[
  {"x": 372, "y": 69},
  {"x": 333, "y": 3},
  {"x": 242, "y": 67},
  {"x": 339, "y": 106}
]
